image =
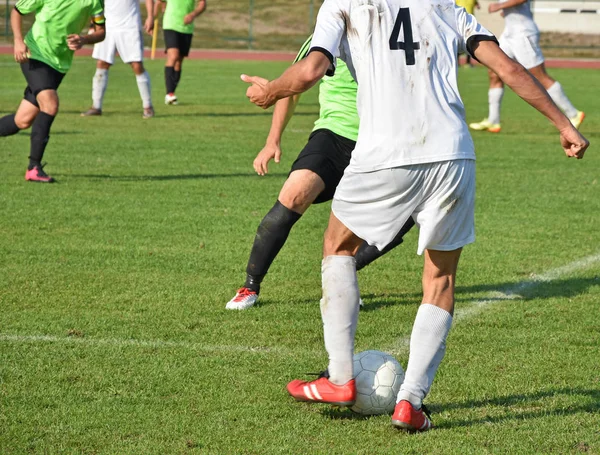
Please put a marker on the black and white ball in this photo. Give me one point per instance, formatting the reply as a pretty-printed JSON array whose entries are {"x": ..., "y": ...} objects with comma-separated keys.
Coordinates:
[{"x": 378, "y": 379}]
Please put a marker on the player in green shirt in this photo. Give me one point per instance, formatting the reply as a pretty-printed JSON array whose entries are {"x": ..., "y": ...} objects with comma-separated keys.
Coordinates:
[
  {"x": 313, "y": 178},
  {"x": 178, "y": 26},
  {"x": 45, "y": 55}
]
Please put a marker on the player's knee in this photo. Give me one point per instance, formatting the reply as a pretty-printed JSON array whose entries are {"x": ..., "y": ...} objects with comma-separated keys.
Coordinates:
[
  {"x": 138, "y": 68},
  {"x": 24, "y": 121},
  {"x": 296, "y": 201},
  {"x": 48, "y": 102}
]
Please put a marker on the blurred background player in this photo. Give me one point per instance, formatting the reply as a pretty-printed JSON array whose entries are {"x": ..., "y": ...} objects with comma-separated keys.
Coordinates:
[
  {"x": 45, "y": 56},
  {"x": 521, "y": 42},
  {"x": 124, "y": 35},
  {"x": 178, "y": 26},
  {"x": 470, "y": 6},
  {"x": 313, "y": 178}
]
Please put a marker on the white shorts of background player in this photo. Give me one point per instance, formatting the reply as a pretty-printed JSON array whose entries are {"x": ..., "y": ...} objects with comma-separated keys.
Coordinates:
[
  {"x": 128, "y": 43},
  {"x": 524, "y": 48}
]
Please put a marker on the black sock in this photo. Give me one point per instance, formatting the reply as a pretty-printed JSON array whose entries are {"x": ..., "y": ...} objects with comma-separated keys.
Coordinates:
[
  {"x": 8, "y": 127},
  {"x": 40, "y": 135},
  {"x": 177, "y": 77},
  {"x": 368, "y": 253},
  {"x": 170, "y": 81},
  {"x": 271, "y": 235}
]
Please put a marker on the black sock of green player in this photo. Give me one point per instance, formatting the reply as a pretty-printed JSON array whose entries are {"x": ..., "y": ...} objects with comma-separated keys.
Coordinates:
[
  {"x": 8, "y": 127},
  {"x": 271, "y": 235},
  {"x": 170, "y": 81},
  {"x": 368, "y": 253},
  {"x": 40, "y": 135},
  {"x": 177, "y": 77}
]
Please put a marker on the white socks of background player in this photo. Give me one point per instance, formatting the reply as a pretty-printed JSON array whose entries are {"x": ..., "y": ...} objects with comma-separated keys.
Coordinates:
[
  {"x": 427, "y": 349},
  {"x": 99, "y": 84},
  {"x": 143, "y": 83},
  {"x": 339, "y": 310},
  {"x": 558, "y": 96},
  {"x": 495, "y": 100}
]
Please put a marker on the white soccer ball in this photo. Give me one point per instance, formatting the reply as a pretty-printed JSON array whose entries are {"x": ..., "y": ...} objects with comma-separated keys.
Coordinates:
[{"x": 378, "y": 379}]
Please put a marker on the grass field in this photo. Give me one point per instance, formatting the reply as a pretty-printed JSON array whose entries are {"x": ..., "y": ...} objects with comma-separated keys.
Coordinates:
[{"x": 113, "y": 334}]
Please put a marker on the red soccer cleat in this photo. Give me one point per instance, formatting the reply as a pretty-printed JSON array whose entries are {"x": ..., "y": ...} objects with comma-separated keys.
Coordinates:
[
  {"x": 408, "y": 418},
  {"x": 37, "y": 174},
  {"x": 322, "y": 390}
]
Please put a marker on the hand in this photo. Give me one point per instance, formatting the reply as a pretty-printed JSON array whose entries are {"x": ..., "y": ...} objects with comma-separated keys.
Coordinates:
[
  {"x": 269, "y": 152},
  {"x": 21, "y": 51},
  {"x": 573, "y": 143},
  {"x": 189, "y": 18},
  {"x": 258, "y": 92},
  {"x": 75, "y": 42},
  {"x": 149, "y": 25},
  {"x": 493, "y": 7}
]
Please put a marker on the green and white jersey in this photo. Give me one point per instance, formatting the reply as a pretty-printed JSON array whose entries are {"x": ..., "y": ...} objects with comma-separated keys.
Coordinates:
[
  {"x": 54, "y": 21},
  {"x": 337, "y": 97},
  {"x": 175, "y": 12}
]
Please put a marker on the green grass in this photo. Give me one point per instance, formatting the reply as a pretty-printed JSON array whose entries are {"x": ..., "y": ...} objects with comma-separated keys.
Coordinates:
[{"x": 113, "y": 334}]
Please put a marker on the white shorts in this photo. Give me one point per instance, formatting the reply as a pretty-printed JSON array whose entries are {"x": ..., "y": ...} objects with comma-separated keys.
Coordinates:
[
  {"x": 525, "y": 49},
  {"x": 128, "y": 43},
  {"x": 439, "y": 196}
]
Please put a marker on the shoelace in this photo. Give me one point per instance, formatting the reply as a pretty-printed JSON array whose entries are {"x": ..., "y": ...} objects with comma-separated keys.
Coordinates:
[
  {"x": 320, "y": 374},
  {"x": 40, "y": 170},
  {"x": 243, "y": 292}
]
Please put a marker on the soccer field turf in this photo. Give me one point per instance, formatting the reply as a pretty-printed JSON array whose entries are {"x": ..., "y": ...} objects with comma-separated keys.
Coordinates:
[{"x": 114, "y": 338}]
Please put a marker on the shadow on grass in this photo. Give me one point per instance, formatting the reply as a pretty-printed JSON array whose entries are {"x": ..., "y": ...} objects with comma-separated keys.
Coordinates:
[{"x": 143, "y": 178}]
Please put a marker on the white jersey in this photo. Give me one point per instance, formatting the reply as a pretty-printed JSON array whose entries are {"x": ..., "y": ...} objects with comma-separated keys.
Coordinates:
[
  {"x": 518, "y": 20},
  {"x": 403, "y": 54},
  {"x": 122, "y": 14}
]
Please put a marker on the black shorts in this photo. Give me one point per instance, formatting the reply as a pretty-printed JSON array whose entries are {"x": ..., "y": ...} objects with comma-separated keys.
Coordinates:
[
  {"x": 326, "y": 154},
  {"x": 39, "y": 77},
  {"x": 177, "y": 40}
]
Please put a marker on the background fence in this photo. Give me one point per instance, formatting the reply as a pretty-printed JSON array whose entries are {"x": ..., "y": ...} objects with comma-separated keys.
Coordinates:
[{"x": 285, "y": 24}]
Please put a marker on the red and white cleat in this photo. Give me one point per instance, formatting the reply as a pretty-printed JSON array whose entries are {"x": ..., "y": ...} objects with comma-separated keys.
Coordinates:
[
  {"x": 244, "y": 299},
  {"x": 408, "y": 418},
  {"x": 37, "y": 174},
  {"x": 322, "y": 390}
]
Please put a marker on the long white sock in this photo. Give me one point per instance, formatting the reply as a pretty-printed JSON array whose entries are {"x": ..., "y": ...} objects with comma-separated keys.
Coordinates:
[
  {"x": 495, "y": 100},
  {"x": 557, "y": 94},
  {"x": 339, "y": 310},
  {"x": 99, "y": 84},
  {"x": 143, "y": 83},
  {"x": 427, "y": 349}
]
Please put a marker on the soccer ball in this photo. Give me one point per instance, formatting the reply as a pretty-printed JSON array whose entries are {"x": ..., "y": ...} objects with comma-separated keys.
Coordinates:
[{"x": 378, "y": 379}]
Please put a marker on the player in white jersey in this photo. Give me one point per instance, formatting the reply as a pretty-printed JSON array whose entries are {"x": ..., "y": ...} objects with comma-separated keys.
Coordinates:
[
  {"x": 414, "y": 157},
  {"x": 123, "y": 35},
  {"x": 521, "y": 42}
]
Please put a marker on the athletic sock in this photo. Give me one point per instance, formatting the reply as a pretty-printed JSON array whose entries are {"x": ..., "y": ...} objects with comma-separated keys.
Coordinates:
[
  {"x": 8, "y": 127},
  {"x": 40, "y": 135},
  {"x": 427, "y": 349},
  {"x": 177, "y": 77},
  {"x": 368, "y": 253},
  {"x": 557, "y": 94},
  {"x": 170, "y": 81},
  {"x": 270, "y": 237},
  {"x": 339, "y": 311},
  {"x": 143, "y": 83},
  {"x": 99, "y": 84},
  {"x": 495, "y": 100}
]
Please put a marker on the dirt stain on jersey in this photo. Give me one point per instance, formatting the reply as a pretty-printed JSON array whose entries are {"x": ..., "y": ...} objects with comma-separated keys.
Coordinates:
[{"x": 350, "y": 29}]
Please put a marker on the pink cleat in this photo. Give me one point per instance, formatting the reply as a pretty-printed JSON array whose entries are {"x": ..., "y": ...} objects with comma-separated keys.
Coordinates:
[{"x": 37, "y": 174}]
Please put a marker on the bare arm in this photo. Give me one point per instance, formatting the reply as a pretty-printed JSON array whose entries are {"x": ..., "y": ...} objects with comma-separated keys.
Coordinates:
[
  {"x": 75, "y": 42},
  {"x": 297, "y": 79},
  {"x": 158, "y": 8},
  {"x": 527, "y": 87},
  {"x": 149, "y": 24},
  {"x": 200, "y": 8},
  {"x": 283, "y": 112},
  {"x": 20, "y": 48},
  {"x": 493, "y": 7}
]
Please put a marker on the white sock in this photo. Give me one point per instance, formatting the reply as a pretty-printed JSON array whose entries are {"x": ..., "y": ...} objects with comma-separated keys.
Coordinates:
[
  {"x": 339, "y": 310},
  {"x": 427, "y": 349},
  {"x": 99, "y": 84},
  {"x": 495, "y": 100},
  {"x": 143, "y": 83},
  {"x": 558, "y": 96}
]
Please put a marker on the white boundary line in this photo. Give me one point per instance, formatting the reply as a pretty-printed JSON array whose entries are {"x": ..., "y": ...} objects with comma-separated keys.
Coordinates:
[
  {"x": 478, "y": 306},
  {"x": 401, "y": 348}
]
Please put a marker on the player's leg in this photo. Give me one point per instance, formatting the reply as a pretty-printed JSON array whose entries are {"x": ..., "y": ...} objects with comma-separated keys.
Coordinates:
[
  {"x": 130, "y": 45},
  {"x": 339, "y": 311},
  {"x": 171, "y": 81},
  {"x": 557, "y": 94},
  {"x": 145, "y": 88},
  {"x": 299, "y": 191},
  {"x": 184, "y": 45},
  {"x": 369, "y": 253},
  {"x": 20, "y": 120},
  {"x": 40, "y": 135},
  {"x": 495, "y": 95},
  {"x": 99, "y": 85}
]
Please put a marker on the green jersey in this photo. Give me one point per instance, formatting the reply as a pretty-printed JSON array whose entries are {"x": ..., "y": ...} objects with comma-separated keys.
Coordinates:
[
  {"x": 54, "y": 21},
  {"x": 337, "y": 97},
  {"x": 175, "y": 12}
]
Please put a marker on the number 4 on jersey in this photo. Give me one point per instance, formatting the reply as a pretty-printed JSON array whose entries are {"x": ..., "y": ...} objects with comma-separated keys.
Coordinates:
[{"x": 403, "y": 22}]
